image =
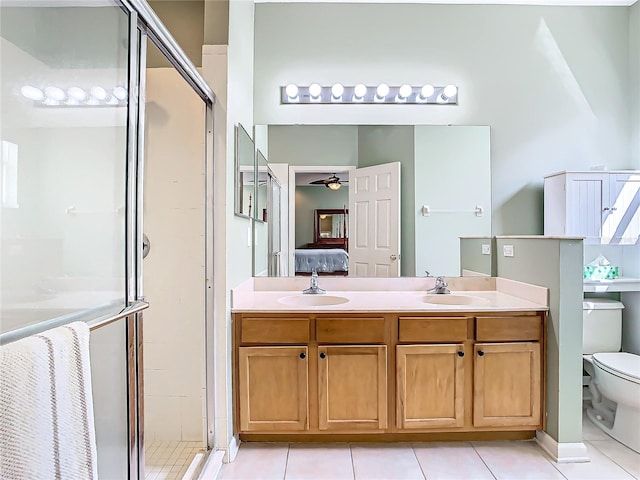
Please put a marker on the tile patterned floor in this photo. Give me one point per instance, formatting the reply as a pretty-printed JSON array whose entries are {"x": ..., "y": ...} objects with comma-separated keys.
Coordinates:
[
  {"x": 504, "y": 460},
  {"x": 169, "y": 460}
]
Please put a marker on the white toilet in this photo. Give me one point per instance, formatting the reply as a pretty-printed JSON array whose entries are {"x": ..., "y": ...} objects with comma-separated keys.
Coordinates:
[{"x": 615, "y": 375}]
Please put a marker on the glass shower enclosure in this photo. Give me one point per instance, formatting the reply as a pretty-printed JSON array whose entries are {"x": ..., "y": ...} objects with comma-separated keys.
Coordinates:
[{"x": 71, "y": 166}]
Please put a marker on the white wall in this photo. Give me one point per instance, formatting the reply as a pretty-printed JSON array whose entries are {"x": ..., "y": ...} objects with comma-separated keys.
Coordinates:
[
  {"x": 536, "y": 75},
  {"x": 229, "y": 72},
  {"x": 174, "y": 270}
]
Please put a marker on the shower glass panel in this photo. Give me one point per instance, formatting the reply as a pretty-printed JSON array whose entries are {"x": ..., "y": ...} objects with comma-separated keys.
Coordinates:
[{"x": 63, "y": 97}]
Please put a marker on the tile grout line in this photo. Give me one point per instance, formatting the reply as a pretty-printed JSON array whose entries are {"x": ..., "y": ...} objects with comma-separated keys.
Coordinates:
[
  {"x": 608, "y": 456},
  {"x": 286, "y": 461},
  {"x": 353, "y": 467},
  {"x": 482, "y": 460},
  {"x": 418, "y": 460}
]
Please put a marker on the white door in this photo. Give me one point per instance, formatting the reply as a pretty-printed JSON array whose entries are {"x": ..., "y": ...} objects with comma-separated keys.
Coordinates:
[{"x": 374, "y": 221}]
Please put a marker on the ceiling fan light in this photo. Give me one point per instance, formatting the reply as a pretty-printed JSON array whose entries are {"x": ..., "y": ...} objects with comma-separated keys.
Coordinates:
[{"x": 334, "y": 185}]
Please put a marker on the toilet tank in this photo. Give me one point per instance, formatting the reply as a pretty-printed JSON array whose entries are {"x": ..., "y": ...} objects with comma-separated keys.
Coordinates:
[{"x": 602, "y": 325}]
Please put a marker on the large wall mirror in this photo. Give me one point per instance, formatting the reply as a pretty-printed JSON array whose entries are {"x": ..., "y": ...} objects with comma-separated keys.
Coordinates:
[
  {"x": 245, "y": 166},
  {"x": 445, "y": 184}
]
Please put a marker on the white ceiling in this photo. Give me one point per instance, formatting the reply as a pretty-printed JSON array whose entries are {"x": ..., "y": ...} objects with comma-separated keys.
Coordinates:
[{"x": 475, "y": 2}]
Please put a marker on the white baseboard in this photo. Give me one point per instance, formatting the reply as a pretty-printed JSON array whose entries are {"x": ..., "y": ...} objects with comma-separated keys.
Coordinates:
[
  {"x": 212, "y": 467},
  {"x": 562, "y": 452},
  {"x": 234, "y": 445}
]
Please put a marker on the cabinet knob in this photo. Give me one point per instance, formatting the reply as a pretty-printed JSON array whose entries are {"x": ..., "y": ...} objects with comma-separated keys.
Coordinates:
[
  {"x": 303, "y": 355},
  {"x": 323, "y": 355},
  {"x": 460, "y": 353},
  {"x": 480, "y": 353}
]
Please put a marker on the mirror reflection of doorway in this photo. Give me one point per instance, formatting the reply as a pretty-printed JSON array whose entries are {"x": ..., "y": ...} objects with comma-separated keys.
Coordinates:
[{"x": 174, "y": 273}]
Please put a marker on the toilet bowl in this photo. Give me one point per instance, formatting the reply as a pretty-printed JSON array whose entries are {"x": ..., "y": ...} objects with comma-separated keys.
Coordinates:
[
  {"x": 615, "y": 391},
  {"x": 614, "y": 381}
]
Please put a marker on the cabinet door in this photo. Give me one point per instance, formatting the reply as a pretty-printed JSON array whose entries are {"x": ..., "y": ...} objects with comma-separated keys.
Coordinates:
[
  {"x": 430, "y": 386},
  {"x": 622, "y": 213},
  {"x": 507, "y": 384},
  {"x": 352, "y": 387},
  {"x": 273, "y": 386},
  {"x": 588, "y": 195}
]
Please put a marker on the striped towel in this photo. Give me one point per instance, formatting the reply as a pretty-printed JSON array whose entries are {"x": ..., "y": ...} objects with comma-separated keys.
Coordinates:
[{"x": 46, "y": 407}]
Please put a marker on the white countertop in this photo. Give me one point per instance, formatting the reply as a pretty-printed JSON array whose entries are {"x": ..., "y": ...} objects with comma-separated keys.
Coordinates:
[
  {"x": 623, "y": 284},
  {"x": 393, "y": 295}
]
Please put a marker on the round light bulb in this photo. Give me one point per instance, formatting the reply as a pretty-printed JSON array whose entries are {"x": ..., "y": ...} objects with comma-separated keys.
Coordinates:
[
  {"x": 120, "y": 93},
  {"x": 426, "y": 91},
  {"x": 405, "y": 91},
  {"x": 98, "y": 92},
  {"x": 76, "y": 93},
  {"x": 450, "y": 91},
  {"x": 315, "y": 90},
  {"x": 32, "y": 93},
  {"x": 337, "y": 90},
  {"x": 291, "y": 90},
  {"x": 54, "y": 93},
  {"x": 334, "y": 186},
  {"x": 383, "y": 90},
  {"x": 360, "y": 90},
  {"x": 112, "y": 101}
]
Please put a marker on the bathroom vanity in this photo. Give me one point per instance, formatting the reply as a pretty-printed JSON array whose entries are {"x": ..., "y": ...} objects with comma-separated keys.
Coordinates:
[{"x": 391, "y": 363}]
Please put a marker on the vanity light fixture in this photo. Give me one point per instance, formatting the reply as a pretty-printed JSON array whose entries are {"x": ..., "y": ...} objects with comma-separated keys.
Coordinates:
[
  {"x": 75, "y": 96},
  {"x": 360, "y": 93},
  {"x": 292, "y": 93},
  {"x": 337, "y": 90},
  {"x": 315, "y": 92},
  {"x": 403, "y": 93},
  {"x": 381, "y": 92},
  {"x": 425, "y": 93}
]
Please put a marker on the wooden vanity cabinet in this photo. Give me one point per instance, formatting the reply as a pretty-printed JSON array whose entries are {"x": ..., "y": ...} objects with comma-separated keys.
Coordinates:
[
  {"x": 430, "y": 373},
  {"x": 508, "y": 373},
  {"x": 328, "y": 374},
  {"x": 273, "y": 389},
  {"x": 343, "y": 388}
]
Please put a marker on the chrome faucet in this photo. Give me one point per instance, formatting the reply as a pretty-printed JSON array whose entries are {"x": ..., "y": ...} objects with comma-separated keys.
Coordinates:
[
  {"x": 314, "y": 289},
  {"x": 440, "y": 286}
]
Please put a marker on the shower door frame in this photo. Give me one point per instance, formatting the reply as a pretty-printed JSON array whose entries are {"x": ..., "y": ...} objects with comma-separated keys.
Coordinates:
[{"x": 145, "y": 25}]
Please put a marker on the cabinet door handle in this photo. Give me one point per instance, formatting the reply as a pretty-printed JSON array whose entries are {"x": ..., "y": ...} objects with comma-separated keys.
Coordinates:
[
  {"x": 460, "y": 353},
  {"x": 303, "y": 355},
  {"x": 323, "y": 355},
  {"x": 605, "y": 209},
  {"x": 480, "y": 353}
]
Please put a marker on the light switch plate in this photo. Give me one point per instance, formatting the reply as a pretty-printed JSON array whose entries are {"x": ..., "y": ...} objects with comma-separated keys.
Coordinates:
[
  {"x": 486, "y": 249},
  {"x": 507, "y": 250}
]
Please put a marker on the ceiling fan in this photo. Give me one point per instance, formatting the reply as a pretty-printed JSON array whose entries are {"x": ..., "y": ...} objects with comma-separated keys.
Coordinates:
[{"x": 331, "y": 182}]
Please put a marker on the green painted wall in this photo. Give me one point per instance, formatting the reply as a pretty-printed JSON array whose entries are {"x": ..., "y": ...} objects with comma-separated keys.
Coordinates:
[{"x": 557, "y": 265}]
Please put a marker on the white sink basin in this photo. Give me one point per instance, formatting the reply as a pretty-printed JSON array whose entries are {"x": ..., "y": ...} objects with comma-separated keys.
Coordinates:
[
  {"x": 454, "y": 299},
  {"x": 302, "y": 300}
]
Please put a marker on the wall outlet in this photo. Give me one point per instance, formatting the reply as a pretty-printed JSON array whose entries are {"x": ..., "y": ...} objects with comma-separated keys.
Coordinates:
[
  {"x": 486, "y": 249},
  {"x": 507, "y": 250}
]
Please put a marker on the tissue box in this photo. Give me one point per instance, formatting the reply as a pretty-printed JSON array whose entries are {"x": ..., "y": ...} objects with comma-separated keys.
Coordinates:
[{"x": 600, "y": 272}]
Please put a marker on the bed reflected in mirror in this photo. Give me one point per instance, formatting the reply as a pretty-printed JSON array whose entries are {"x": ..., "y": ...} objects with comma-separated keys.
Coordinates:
[{"x": 328, "y": 253}]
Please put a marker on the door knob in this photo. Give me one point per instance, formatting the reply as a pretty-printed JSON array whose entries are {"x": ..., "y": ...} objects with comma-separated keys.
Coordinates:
[{"x": 393, "y": 257}]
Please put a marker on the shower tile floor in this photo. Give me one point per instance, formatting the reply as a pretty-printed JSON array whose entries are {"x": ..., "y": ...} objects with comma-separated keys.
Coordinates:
[{"x": 169, "y": 460}]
